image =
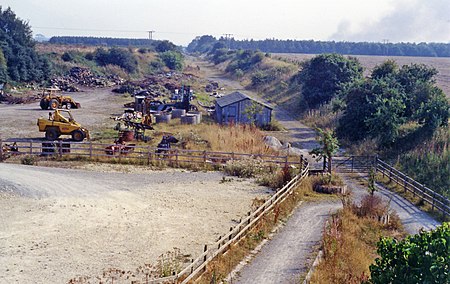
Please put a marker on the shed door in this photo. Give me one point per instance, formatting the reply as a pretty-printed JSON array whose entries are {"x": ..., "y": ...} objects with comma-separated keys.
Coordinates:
[{"x": 231, "y": 114}]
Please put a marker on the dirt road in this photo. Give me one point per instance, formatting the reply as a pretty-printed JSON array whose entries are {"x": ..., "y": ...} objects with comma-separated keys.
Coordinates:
[
  {"x": 283, "y": 258},
  {"x": 97, "y": 105},
  {"x": 56, "y": 224}
]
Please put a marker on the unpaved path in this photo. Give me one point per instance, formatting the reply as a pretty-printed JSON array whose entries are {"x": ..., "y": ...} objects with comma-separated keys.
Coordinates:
[
  {"x": 298, "y": 134},
  {"x": 284, "y": 258},
  {"x": 57, "y": 224},
  {"x": 413, "y": 219}
]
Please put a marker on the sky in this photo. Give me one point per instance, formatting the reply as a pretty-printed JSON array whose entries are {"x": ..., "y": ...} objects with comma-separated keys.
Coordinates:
[{"x": 180, "y": 21}]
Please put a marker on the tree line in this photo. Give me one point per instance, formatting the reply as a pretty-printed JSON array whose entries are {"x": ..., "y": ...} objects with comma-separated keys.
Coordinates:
[
  {"x": 206, "y": 42},
  {"x": 103, "y": 41}
]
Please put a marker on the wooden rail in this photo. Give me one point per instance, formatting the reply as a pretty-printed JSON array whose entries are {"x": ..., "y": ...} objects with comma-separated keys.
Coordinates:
[
  {"x": 144, "y": 154},
  {"x": 437, "y": 201},
  {"x": 240, "y": 230}
]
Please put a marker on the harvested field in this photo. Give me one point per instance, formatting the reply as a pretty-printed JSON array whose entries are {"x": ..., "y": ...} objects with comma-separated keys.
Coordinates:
[
  {"x": 58, "y": 224},
  {"x": 442, "y": 64}
]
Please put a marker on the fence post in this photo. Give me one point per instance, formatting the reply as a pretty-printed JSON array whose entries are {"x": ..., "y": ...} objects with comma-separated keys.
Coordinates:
[
  {"x": 434, "y": 200},
  {"x": 90, "y": 149},
  {"x": 204, "y": 158},
  {"x": 176, "y": 157},
  {"x": 405, "y": 185},
  {"x": 204, "y": 250},
  {"x": 286, "y": 161},
  {"x": 353, "y": 163},
  {"x": 1, "y": 150},
  {"x": 60, "y": 149},
  {"x": 232, "y": 156},
  {"x": 149, "y": 156}
]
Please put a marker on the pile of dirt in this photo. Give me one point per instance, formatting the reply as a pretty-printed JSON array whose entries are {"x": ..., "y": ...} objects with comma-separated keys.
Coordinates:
[{"x": 84, "y": 77}]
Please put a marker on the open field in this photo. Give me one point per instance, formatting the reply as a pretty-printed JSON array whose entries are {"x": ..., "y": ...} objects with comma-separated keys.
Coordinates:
[{"x": 440, "y": 63}]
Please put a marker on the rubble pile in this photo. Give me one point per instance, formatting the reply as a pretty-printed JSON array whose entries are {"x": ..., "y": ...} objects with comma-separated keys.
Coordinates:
[
  {"x": 156, "y": 85},
  {"x": 84, "y": 76},
  {"x": 9, "y": 99}
]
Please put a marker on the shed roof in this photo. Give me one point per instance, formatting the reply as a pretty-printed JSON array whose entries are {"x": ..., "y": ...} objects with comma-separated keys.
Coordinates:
[{"x": 237, "y": 97}]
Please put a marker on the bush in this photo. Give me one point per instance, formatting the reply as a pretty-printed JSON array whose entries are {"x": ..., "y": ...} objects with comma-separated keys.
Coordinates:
[
  {"x": 68, "y": 56},
  {"x": 172, "y": 59},
  {"x": 28, "y": 160},
  {"x": 245, "y": 168},
  {"x": 421, "y": 258},
  {"x": 117, "y": 56}
]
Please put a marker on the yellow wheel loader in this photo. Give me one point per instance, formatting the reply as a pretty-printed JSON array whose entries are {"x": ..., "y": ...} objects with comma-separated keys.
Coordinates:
[
  {"x": 52, "y": 99},
  {"x": 61, "y": 122}
]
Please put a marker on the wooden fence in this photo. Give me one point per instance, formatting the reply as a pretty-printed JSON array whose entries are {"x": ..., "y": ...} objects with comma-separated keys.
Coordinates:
[
  {"x": 436, "y": 200},
  {"x": 240, "y": 230},
  {"x": 144, "y": 154}
]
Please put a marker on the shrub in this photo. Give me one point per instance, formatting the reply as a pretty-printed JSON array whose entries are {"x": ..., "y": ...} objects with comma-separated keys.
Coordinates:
[
  {"x": 28, "y": 160},
  {"x": 421, "y": 258},
  {"x": 172, "y": 59},
  {"x": 244, "y": 168}
]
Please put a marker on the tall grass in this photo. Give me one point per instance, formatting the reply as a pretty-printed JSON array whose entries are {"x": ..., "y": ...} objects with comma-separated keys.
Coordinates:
[
  {"x": 429, "y": 162},
  {"x": 349, "y": 244},
  {"x": 219, "y": 138}
]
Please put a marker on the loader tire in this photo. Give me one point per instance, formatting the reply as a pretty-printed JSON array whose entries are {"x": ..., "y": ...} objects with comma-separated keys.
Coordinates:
[
  {"x": 51, "y": 134},
  {"x": 54, "y": 104},
  {"x": 78, "y": 135},
  {"x": 43, "y": 104}
]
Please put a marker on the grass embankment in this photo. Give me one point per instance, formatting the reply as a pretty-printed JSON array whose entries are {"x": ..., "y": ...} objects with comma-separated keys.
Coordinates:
[{"x": 349, "y": 242}]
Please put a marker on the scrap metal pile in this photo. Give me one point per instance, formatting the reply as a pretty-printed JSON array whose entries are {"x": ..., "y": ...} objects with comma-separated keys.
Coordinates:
[{"x": 84, "y": 77}]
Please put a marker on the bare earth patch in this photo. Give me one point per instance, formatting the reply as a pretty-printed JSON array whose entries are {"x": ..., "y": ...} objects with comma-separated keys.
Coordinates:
[{"x": 57, "y": 224}]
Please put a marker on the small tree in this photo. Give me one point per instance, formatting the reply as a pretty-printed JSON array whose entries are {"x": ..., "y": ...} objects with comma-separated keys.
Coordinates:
[
  {"x": 371, "y": 182},
  {"x": 252, "y": 111},
  {"x": 329, "y": 145}
]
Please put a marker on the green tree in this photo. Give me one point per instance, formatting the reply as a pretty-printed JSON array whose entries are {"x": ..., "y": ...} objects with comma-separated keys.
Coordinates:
[
  {"x": 172, "y": 59},
  {"x": 3, "y": 68},
  {"x": 329, "y": 145},
  {"x": 421, "y": 258},
  {"x": 324, "y": 76},
  {"x": 252, "y": 111},
  {"x": 164, "y": 46},
  {"x": 16, "y": 41}
]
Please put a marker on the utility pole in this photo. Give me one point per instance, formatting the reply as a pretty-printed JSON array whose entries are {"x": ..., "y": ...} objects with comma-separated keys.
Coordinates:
[
  {"x": 150, "y": 35},
  {"x": 228, "y": 39},
  {"x": 385, "y": 42}
]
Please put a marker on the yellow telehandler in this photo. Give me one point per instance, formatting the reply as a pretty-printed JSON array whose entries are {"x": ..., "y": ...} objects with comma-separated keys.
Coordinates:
[{"x": 61, "y": 122}]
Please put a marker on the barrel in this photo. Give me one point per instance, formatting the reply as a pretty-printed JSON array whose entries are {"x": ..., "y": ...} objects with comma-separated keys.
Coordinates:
[
  {"x": 197, "y": 114},
  {"x": 163, "y": 117},
  {"x": 189, "y": 119},
  {"x": 177, "y": 113}
]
